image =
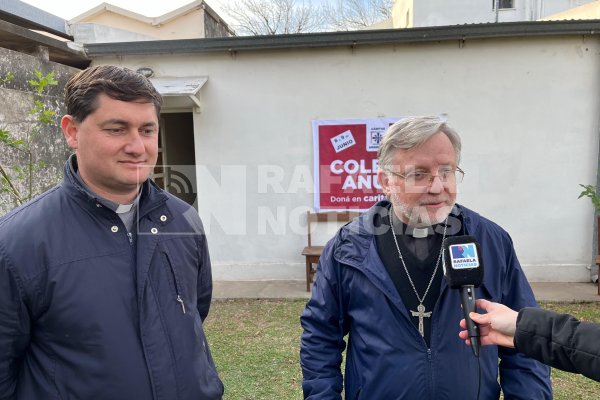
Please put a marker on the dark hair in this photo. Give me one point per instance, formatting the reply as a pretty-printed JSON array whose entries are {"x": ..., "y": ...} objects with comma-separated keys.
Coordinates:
[{"x": 82, "y": 90}]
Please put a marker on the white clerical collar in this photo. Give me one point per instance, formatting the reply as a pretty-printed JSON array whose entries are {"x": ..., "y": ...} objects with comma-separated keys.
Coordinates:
[
  {"x": 420, "y": 233},
  {"x": 124, "y": 208}
]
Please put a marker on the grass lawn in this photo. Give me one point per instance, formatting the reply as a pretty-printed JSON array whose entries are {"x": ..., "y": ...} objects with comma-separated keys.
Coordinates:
[{"x": 255, "y": 346}]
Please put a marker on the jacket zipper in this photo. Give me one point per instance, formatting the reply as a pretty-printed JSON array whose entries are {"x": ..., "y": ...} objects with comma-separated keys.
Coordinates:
[
  {"x": 179, "y": 299},
  {"x": 430, "y": 371}
]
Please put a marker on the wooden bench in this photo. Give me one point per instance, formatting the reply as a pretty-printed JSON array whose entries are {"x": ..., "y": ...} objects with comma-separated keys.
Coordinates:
[{"x": 313, "y": 253}]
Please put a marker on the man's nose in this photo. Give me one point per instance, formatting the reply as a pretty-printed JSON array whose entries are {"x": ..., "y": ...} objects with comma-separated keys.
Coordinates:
[
  {"x": 135, "y": 144},
  {"x": 436, "y": 186}
]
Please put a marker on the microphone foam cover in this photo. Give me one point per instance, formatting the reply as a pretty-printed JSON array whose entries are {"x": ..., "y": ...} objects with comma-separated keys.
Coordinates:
[{"x": 463, "y": 264}]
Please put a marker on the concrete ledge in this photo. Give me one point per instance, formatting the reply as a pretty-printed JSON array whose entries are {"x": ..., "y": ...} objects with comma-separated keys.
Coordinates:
[
  {"x": 558, "y": 273},
  {"x": 260, "y": 290},
  {"x": 565, "y": 292},
  {"x": 290, "y": 289},
  {"x": 259, "y": 272}
]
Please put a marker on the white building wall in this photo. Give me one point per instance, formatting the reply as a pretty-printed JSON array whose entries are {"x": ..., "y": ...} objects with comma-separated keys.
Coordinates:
[
  {"x": 549, "y": 7},
  {"x": 527, "y": 110},
  {"x": 457, "y": 12}
]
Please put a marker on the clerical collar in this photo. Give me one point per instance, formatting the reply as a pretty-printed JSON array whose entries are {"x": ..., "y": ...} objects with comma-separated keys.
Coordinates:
[
  {"x": 125, "y": 208},
  {"x": 417, "y": 233},
  {"x": 420, "y": 233}
]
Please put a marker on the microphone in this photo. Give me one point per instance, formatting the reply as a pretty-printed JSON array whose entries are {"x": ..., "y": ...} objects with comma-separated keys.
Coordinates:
[{"x": 463, "y": 269}]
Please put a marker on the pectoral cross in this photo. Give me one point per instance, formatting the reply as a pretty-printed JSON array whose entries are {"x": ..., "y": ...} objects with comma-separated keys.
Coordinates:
[{"x": 421, "y": 314}]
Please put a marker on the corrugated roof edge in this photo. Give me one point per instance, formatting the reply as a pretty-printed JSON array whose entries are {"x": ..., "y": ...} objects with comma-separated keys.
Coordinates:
[
  {"x": 28, "y": 16},
  {"x": 352, "y": 38}
]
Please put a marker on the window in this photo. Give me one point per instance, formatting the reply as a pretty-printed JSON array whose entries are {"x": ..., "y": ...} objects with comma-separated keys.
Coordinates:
[{"x": 503, "y": 4}]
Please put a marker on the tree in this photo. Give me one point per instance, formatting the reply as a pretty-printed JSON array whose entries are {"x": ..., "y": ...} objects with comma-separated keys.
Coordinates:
[
  {"x": 18, "y": 179},
  {"x": 590, "y": 191},
  {"x": 273, "y": 17},
  {"x": 347, "y": 15}
]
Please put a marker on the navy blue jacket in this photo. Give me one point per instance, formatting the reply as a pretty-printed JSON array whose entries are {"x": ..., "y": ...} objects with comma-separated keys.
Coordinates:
[
  {"x": 386, "y": 357},
  {"x": 87, "y": 313}
]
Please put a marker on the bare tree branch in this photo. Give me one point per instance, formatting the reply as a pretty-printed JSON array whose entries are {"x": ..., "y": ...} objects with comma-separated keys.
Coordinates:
[
  {"x": 345, "y": 15},
  {"x": 272, "y": 17},
  {"x": 13, "y": 190}
]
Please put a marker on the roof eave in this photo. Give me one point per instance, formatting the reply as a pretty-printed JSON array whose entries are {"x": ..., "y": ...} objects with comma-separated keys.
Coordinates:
[
  {"x": 25, "y": 15},
  {"x": 352, "y": 38},
  {"x": 21, "y": 39}
]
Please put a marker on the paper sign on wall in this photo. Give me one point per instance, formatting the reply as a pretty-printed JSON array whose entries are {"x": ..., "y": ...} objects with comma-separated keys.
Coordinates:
[{"x": 345, "y": 162}]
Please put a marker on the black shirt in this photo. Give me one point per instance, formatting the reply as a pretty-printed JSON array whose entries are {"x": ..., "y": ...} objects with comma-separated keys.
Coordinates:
[{"x": 420, "y": 256}]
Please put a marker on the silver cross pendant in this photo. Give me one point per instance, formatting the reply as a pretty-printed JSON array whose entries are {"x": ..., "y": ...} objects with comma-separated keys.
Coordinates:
[{"x": 421, "y": 314}]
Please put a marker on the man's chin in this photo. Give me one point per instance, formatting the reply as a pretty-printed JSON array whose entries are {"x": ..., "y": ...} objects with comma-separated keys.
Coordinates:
[
  {"x": 423, "y": 218},
  {"x": 128, "y": 185},
  {"x": 135, "y": 178},
  {"x": 441, "y": 214}
]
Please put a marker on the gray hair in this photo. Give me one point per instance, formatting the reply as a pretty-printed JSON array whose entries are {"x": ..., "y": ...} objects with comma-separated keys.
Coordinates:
[{"x": 409, "y": 133}]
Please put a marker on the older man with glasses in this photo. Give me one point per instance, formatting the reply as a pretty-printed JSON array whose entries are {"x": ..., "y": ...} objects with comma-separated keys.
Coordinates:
[{"x": 380, "y": 283}]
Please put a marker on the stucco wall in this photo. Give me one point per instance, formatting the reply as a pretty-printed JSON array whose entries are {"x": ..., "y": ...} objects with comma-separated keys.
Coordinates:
[
  {"x": 435, "y": 13},
  {"x": 403, "y": 14},
  {"x": 189, "y": 25},
  {"x": 527, "y": 110},
  {"x": 16, "y": 99}
]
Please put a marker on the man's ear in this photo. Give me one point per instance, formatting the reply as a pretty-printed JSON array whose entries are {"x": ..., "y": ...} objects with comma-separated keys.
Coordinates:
[
  {"x": 384, "y": 182},
  {"x": 70, "y": 130}
]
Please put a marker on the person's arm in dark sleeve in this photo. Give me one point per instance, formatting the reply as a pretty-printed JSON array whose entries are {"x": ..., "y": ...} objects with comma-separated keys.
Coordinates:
[
  {"x": 521, "y": 377},
  {"x": 204, "y": 284},
  {"x": 322, "y": 341},
  {"x": 559, "y": 340},
  {"x": 14, "y": 328}
]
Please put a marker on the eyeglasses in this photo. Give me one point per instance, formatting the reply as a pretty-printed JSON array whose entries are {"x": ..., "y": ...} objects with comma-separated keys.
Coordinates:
[{"x": 424, "y": 179}]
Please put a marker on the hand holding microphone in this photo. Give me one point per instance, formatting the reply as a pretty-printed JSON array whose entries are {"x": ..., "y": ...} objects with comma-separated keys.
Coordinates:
[
  {"x": 497, "y": 327},
  {"x": 463, "y": 269}
]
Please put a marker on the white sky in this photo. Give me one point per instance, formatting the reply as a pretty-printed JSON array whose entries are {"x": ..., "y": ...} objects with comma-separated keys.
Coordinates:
[{"x": 68, "y": 9}]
